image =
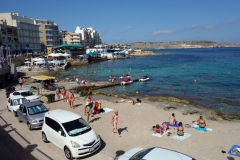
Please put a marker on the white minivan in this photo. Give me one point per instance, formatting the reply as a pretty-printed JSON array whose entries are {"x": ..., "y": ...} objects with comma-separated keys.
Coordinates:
[
  {"x": 14, "y": 102},
  {"x": 70, "y": 132}
]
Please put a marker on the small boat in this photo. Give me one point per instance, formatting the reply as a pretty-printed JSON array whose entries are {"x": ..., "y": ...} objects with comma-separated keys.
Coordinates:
[
  {"x": 128, "y": 81},
  {"x": 145, "y": 78},
  {"x": 125, "y": 76}
]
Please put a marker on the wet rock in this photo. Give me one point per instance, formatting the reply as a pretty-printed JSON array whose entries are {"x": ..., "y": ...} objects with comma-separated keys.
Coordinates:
[
  {"x": 169, "y": 108},
  {"x": 189, "y": 112}
]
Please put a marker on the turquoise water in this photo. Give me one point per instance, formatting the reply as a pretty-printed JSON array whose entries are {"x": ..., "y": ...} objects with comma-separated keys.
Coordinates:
[{"x": 208, "y": 77}]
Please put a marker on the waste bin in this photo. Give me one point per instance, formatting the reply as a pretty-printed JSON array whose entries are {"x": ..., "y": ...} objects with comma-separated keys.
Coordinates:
[
  {"x": 30, "y": 88},
  {"x": 48, "y": 98},
  {"x": 52, "y": 97}
]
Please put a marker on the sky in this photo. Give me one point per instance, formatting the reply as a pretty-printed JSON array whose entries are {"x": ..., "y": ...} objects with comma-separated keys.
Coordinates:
[{"x": 129, "y": 21}]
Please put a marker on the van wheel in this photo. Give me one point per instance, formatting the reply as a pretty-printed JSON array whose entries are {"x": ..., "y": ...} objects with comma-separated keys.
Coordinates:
[
  {"x": 67, "y": 153},
  {"x": 44, "y": 137},
  {"x": 15, "y": 114},
  {"x": 29, "y": 126}
]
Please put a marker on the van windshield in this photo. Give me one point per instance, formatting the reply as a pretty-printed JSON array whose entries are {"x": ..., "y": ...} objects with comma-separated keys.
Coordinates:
[{"x": 76, "y": 127}]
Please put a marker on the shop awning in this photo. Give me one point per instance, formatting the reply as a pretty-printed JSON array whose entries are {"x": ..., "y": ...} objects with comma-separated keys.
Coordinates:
[{"x": 42, "y": 77}]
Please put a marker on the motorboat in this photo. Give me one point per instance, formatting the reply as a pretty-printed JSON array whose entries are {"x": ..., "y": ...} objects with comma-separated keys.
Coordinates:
[
  {"x": 127, "y": 81},
  {"x": 144, "y": 78},
  {"x": 125, "y": 76}
]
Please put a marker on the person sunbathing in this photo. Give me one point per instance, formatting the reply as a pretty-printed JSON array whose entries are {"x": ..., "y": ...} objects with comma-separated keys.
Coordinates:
[
  {"x": 180, "y": 129},
  {"x": 201, "y": 122},
  {"x": 172, "y": 119},
  {"x": 165, "y": 127},
  {"x": 136, "y": 101},
  {"x": 158, "y": 130}
]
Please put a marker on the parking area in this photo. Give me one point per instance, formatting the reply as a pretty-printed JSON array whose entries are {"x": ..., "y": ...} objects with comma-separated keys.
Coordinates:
[{"x": 17, "y": 142}]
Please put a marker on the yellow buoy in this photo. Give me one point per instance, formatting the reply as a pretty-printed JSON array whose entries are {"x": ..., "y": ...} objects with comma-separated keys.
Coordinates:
[
  {"x": 195, "y": 81},
  {"x": 136, "y": 92}
]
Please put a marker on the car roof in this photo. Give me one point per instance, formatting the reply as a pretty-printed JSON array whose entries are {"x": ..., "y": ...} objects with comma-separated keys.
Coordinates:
[
  {"x": 62, "y": 116},
  {"x": 30, "y": 104},
  {"x": 164, "y": 153},
  {"x": 16, "y": 96},
  {"x": 23, "y": 90}
]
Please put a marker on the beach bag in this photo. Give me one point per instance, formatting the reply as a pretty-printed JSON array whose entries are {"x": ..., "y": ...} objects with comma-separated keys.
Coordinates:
[{"x": 99, "y": 106}]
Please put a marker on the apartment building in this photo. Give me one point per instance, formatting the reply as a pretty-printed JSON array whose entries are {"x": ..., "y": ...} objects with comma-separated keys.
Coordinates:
[
  {"x": 49, "y": 34},
  {"x": 71, "y": 37},
  {"x": 93, "y": 37},
  {"x": 28, "y": 32},
  {"x": 8, "y": 39}
]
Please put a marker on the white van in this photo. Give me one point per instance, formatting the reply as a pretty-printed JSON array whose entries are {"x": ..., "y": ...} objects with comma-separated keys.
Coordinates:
[
  {"x": 70, "y": 132},
  {"x": 14, "y": 102}
]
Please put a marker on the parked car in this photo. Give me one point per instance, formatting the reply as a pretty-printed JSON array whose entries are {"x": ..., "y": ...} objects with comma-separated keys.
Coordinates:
[
  {"x": 27, "y": 94},
  {"x": 71, "y": 133},
  {"x": 32, "y": 114},
  {"x": 153, "y": 154},
  {"x": 14, "y": 102}
]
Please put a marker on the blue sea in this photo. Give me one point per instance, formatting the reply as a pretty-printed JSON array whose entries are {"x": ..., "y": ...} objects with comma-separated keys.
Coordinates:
[{"x": 208, "y": 77}]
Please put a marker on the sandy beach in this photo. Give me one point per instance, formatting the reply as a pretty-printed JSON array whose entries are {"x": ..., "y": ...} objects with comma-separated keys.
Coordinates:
[{"x": 135, "y": 126}]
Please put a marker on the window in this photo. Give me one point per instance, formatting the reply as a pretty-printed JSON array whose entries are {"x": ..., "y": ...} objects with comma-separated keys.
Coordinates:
[
  {"x": 76, "y": 127},
  {"x": 24, "y": 110},
  {"x": 27, "y": 45},
  {"x": 37, "y": 109},
  {"x": 53, "y": 124},
  {"x": 21, "y": 108},
  {"x": 3, "y": 38}
]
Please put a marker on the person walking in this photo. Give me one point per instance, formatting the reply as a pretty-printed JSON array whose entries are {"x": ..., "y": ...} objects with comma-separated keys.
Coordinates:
[
  {"x": 71, "y": 98},
  {"x": 20, "y": 81},
  {"x": 114, "y": 122}
]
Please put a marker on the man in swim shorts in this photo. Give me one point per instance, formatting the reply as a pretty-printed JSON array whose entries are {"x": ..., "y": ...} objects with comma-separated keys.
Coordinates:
[{"x": 71, "y": 98}]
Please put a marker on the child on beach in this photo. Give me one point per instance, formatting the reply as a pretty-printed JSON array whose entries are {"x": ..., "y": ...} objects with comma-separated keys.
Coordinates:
[{"x": 114, "y": 122}]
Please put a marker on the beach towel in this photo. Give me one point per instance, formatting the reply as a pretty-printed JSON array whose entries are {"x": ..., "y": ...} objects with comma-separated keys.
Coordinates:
[
  {"x": 201, "y": 129},
  {"x": 181, "y": 138},
  {"x": 171, "y": 125},
  {"x": 106, "y": 110},
  {"x": 159, "y": 135},
  {"x": 235, "y": 150}
]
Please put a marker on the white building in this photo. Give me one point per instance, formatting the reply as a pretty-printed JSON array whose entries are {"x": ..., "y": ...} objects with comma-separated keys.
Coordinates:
[{"x": 28, "y": 32}]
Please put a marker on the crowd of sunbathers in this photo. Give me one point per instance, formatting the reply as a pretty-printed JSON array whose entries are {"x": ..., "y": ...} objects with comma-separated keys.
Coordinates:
[{"x": 180, "y": 129}]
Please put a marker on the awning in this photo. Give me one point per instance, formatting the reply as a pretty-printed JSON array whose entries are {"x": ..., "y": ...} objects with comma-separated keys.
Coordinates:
[{"x": 42, "y": 77}]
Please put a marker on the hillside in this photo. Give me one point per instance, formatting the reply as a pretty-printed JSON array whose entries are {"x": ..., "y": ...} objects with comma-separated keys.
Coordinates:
[{"x": 180, "y": 44}]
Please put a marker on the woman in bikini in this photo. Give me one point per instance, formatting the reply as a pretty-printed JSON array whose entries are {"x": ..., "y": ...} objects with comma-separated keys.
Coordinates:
[
  {"x": 114, "y": 122},
  {"x": 158, "y": 129},
  {"x": 180, "y": 129},
  {"x": 201, "y": 122}
]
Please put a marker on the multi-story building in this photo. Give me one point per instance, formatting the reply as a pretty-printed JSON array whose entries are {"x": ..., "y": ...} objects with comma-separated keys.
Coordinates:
[
  {"x": 88, "y": 37},
  {"x": 49, "y": 34},
  {"x": 8, "y": 39},
  {"x": 93, "y": 37},
  {"x": 28, "y": 32},
  {"x": 71, "y": 37}
]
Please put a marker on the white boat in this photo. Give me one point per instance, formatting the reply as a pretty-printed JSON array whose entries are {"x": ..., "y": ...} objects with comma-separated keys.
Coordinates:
[
  {"x": 144, "y": 79},
  {"x": 126, "y": 82},
  {"x": 125, "y": 76}
]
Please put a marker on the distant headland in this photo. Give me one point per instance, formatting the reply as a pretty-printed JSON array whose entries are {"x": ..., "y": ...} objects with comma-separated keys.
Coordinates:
[{"x": 180, "y": 44}]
